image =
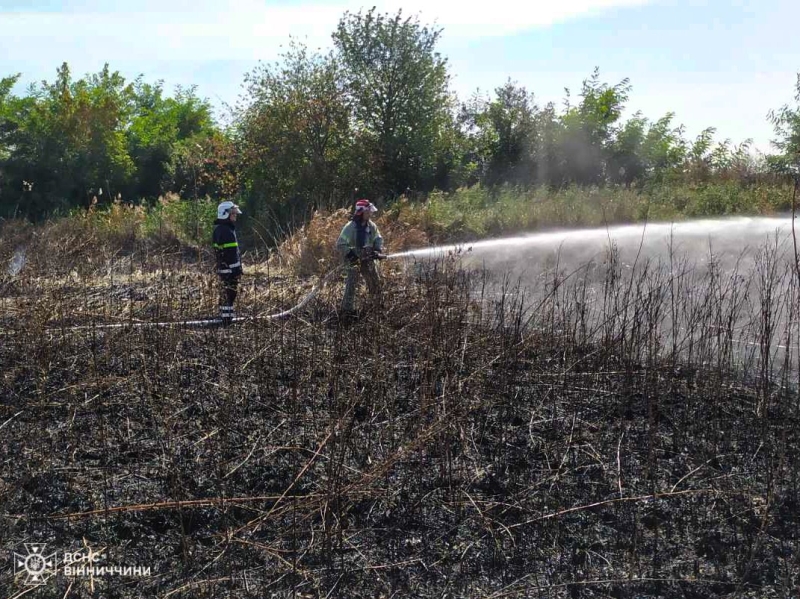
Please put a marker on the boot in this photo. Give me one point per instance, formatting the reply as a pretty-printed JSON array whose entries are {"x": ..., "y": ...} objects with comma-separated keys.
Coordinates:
[{"x": 226, "y": 315}]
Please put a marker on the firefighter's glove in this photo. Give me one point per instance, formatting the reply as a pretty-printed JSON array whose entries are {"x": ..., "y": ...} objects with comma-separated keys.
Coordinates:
[{"x": 369, "y": 254}]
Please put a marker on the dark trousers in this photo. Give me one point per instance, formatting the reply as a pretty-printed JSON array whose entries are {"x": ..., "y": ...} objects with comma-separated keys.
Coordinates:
[
  {"x": 230, "y": 288},
  {"x": 369, "y": 272}
]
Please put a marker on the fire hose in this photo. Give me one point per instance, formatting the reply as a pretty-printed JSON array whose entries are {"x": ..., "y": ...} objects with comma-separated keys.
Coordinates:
[{"x": 366, "y": 255}]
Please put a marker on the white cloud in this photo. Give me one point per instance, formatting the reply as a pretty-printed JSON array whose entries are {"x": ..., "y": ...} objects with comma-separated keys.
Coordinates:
[{"x": 249, "y": 29}]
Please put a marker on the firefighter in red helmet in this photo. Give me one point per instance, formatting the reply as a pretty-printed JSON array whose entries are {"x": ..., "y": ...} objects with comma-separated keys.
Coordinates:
[{"x": 360, "y": 245}]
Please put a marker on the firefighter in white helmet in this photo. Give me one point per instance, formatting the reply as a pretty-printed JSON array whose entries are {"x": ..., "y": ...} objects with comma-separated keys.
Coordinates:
[
  {"x": 229, "y": 262},
  {"x": 360, "y": 244}
]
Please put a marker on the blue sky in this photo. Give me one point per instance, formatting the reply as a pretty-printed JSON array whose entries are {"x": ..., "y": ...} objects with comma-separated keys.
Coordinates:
[{"x": 716, "y": 63}]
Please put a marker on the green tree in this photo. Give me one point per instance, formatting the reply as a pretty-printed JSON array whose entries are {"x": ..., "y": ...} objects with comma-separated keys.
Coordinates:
[
  {"x": 68, "y": 142},
  {"x": 786, "y": 121},
  {"x": 664, "y": 149},
  {"x": 698, "y": 158},
  {"x": 476, "y": 137},
  {"x": 454, "y": 167},
  {"x": 626, "y": 163},
  {"x": 160, "y": 131},
  {"x": 398, "y": 84},
  {"x": 589, "y": 129},
  {"x": 294, "y": 132},
  {"x": 551, "y": 163},
  {"x": 206, "y": 165},
  {"x": 7, "y": 121},
  {"x": 504, "y": 134}
]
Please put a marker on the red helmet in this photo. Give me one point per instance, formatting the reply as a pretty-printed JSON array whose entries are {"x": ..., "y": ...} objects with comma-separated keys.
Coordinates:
[{"x": 362, "y": 205}]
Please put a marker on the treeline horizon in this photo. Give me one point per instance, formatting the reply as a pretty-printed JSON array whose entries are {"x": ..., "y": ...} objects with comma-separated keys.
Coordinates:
[{"x": 375, "y": 116}]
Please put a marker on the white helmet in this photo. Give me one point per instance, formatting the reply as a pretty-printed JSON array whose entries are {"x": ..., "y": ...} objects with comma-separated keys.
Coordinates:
[{"x": 225, "y": 208}]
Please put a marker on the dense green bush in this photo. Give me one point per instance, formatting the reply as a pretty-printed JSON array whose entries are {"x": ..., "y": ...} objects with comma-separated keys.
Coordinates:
[
  {"x": 475, "y": 212},
  {"x": 315, "y": 132}
]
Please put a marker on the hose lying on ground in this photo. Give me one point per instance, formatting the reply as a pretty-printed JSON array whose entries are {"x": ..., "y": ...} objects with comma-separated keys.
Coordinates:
[
  {"x": 311, "y": 295},
  {"x": 210, "y": 321}
]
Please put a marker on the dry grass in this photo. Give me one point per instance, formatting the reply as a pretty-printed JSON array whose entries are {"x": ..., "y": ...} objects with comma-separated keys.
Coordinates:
[
  {"x": 466, "y": 441},
  {"x": 311, "y": 250}
]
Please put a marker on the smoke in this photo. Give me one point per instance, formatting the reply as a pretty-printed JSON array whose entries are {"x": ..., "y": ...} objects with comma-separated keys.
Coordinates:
[
  {"x": 17, "y": 262},
  {"x": 753, "y": 256}
]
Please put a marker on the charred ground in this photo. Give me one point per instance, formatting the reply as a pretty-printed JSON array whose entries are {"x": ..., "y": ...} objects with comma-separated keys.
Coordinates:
[{"x": 455, "y": 442}]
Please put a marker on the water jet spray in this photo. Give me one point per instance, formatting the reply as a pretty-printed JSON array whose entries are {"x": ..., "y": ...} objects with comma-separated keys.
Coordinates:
[{"x": 573, "y": 247}]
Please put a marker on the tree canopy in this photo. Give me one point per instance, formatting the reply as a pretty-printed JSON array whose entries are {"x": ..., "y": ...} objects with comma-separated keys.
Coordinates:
[{"x": 373, "y": 116}]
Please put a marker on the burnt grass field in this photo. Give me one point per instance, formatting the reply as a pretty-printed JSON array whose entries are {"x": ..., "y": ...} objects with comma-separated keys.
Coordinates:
[{"x": 463, "y": 439}]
